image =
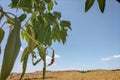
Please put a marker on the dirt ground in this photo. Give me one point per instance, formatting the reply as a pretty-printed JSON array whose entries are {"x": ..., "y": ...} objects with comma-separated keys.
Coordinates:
[{"x": 70, "y": 75}]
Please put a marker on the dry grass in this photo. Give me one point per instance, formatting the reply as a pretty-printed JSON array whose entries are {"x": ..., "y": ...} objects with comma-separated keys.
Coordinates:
[{"x": 70, "y": 75}]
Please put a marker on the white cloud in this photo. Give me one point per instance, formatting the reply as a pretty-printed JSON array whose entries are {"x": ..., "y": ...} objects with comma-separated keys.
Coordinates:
[
  {"x": 106, "y": 59},
  {"x": 48, "y": 58},
  {"x": 57, "y": 56},
  {"x": 110, "y": 58},
  {"x": 116, "y": 56}
]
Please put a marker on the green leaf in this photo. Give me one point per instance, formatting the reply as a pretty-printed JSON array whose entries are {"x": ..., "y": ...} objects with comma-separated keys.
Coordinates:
[
  {"x": 24, "y": 59},
  {"x": 88, "y": 4},
  {"x": 26, "y": 5},
  {"x": 24, "y": 67},
  {"x": 14, "y": 2},
  {"x": 1, "y": 15},
  {"x": 101, "y": 5},
  {"x": 11, "y": 50},
  {"x": 34, "y": 15},
  {"x": 1, "y": 37},
  {"x": 25, "y": 53},
  {"x": 47, "y": 37},
  {"x": 1, "y": 34},
  {"x": 22, "y": 17},
  {"x": 48, "y": 1},
  {"x": 24, "y": 36},
  {"x": 33, "y": 54},
  {"x": 57, "y": 14},
  {"x": 31, "y": 43},
  {"x": 41, "y": 51},
  {"x": 63, "y": 35},
  {"x": 41, "y": 20},
  {"x": 42, "y": 6},
  {"x": 50, "y": 18},
  {"x": 64, "y": 23},
  {"x": 50, "y": 6},
  {"x": 42, "y": 54}
]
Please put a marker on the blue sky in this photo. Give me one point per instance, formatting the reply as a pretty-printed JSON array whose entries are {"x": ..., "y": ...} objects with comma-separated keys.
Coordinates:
[{"x": 93, "y": 43}]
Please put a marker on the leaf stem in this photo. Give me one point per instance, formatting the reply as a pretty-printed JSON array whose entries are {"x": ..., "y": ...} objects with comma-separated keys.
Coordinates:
[
  {"x": 5, "y": 14},
  {"x": 11, "y": 14},
  {"x": 36, "y": 42}
]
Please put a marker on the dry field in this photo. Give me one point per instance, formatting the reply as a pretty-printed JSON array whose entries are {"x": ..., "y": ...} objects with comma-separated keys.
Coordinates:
[{"x": 70, "y": 75}]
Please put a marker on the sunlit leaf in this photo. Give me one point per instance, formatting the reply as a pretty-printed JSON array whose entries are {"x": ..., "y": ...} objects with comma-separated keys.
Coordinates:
[
  {"x": 88, "y": 4},
  {"x": 25, "y": 52},
  {"x": 24, "y": 36},
  {"x": 101, "y": 5},
  {"x": 24, "y": 59},
  {"x": 50, "y": 6},
  {"x": 34, "y": 15},
  {"x": 11, "y": 50}
]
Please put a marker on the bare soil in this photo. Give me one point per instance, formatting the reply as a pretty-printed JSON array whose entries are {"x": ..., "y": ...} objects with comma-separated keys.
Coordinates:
[{"x": 70, "y": 75}]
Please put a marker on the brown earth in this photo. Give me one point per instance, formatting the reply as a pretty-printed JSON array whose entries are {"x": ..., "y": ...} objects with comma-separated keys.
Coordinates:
[{"x": 70, "y": 75}]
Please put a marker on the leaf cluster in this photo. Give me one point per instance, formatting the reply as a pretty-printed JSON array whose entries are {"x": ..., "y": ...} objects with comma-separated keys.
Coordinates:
[
  {"x": 42, "y": 28},
  {"x": 101, "y": 4},
  {"x": 89, "y": 4}
]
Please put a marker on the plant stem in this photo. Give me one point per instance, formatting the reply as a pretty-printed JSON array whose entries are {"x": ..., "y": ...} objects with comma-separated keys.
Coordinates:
[
  {"x": 30, "y": 37},
  {"x": 37, "y": 6}
]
